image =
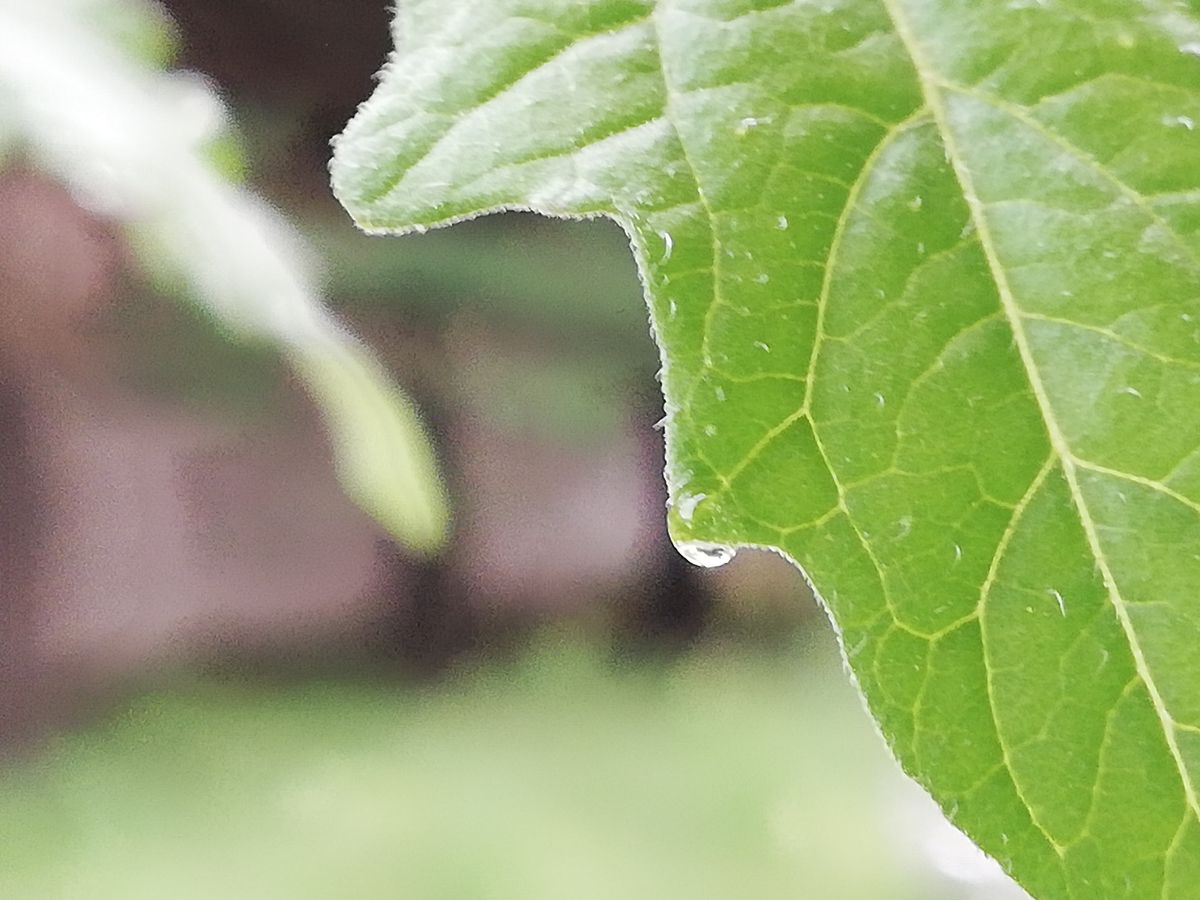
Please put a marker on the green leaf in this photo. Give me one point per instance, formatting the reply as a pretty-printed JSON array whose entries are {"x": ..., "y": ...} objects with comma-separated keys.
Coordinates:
[
  {"x": 129, "y": 141},
  {"x": 926, "y": 279}
]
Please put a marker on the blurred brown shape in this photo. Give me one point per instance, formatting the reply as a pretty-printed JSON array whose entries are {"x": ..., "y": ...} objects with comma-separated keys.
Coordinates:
[{"x": 133, "y": 532}]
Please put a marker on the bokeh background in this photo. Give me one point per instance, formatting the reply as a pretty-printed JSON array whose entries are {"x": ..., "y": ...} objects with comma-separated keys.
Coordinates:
[{"x": 220, "y": 678}]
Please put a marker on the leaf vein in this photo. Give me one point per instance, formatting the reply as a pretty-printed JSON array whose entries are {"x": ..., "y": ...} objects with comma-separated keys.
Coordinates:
[{"x": 932, "y": 88}]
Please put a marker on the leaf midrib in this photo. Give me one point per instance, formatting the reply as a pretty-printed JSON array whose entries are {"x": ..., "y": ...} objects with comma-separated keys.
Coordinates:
[{"x": 932, "y": 90}]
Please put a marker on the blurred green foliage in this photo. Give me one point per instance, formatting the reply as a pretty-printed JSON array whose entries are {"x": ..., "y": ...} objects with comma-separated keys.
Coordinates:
[
  {"x": 565, "y": 773},
  {"x": 83, "y": 101}
]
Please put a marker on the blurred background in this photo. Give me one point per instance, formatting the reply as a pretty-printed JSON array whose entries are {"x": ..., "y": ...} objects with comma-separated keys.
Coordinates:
[{"x": 219, "y": 677}]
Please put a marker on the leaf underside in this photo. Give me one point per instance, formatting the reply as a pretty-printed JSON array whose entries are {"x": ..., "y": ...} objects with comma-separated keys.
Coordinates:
[{"x": 926, "y": 279}]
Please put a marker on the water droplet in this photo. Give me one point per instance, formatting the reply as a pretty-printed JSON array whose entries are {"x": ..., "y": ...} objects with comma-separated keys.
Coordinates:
[
  {"x": 707, "y": 556},
  {"x": 782, "y": 223},
  {"x": 762, "y": 278},
  {"x": 1062, "y": 605},
  {"x": 671, "y": 308},
  {"x": 915, "y": 203},
  {"x": 1191, "y": 48},
  {"x": 763, "y": 347},
  {"x": 750, "y": 122},
  {"x": 1186, "y": 121},
  {"x": 686, "y": 505},
  {"x": 1131, "y": 391},
  {"x": 668, "y": 246},
  {"x": 921, "y": 248},
  {"x": 957, "y": 552},
  {"x": 710, "y": 430},
  {"x": 880, "y": 399},
  {"x": 720, "y": 393}
]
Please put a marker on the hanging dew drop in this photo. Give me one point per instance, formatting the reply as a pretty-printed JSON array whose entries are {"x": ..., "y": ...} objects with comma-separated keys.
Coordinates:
[{"x": 706, "y": 556}]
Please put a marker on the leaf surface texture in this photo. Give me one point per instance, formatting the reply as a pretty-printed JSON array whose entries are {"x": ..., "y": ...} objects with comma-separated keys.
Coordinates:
[{"x": 925, "y": 275}]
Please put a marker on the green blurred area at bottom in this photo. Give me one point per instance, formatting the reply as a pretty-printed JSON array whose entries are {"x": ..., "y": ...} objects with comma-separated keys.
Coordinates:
[{"x": 736, "y": 772}]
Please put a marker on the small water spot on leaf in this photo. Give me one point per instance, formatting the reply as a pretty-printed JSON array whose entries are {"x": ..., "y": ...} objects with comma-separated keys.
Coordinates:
[
  {"x": 672, "y": 308},
  {"x": 880, "y": 400},
  {"x": 957, "y": 552},
  {"x": 687, "y": 505},
  {"x": 782, "y": 223},
  {"x": 668, "y": 246},
  {"x": 707, "y": 556},
  {"x": 762, "y": 278},
  {"x": 765, "y": 348},
  {"x": 749, "y": 122},
  {"x": 1058, "y": 598},
  {"x": 921, "y": 248},
  {"x": 1191, "y": 48},
  {"x": 1180, "y": 121},
  {"x": 915, "y": 203},
  {"x": 710, "y": 430},
  {"x": 1131, "y": 391}
]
